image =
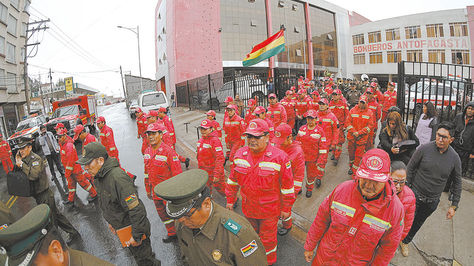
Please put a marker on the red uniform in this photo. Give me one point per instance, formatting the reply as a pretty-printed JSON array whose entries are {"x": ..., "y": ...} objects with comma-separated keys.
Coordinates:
[
  {"x": 329, "y": 123},
  {"x": 341, "y": 110},
  {"x": 407, "y": 197},
  {"x": 296, "y": 156},
  {"x": 170, "y": 128},
  {"x": 314, "y": 105},
  {"x": 348, "y": 230},
  {"x": 362, "y": 122},
  {"x": 389, "y": 100},
  {"x": 166, "y": 138},
  {"x": 374, "y": 106},
  {"x": 277, "y": 114},
  {"x": 160, "y": 165},
  {"x": 107, "y": 139},
  {"x": 302, "y": 106},
  {"x": 217, "y": 128},
  {"x": 266, "y": 187},
  {"x": 88, "y": 139},
  {"x": 289, "y": 106},
  {"x": 210, "y": 156},
  {"x": 141, "y": 125},
  {"x": 234, "y": 128},
  {"x": 271, "y": 128},
  {"x": 249, "y": 115},
  {"x": 315, "y": 148},
  {"x": 6, "y": 156},
  {"x": 73, "y": 171}
]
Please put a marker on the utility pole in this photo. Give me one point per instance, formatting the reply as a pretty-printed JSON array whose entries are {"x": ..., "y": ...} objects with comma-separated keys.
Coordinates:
[
  {"x": 123, "y": 86},
  {"x": 29, "y": 33},
  {"x": 41, "y": 93}
]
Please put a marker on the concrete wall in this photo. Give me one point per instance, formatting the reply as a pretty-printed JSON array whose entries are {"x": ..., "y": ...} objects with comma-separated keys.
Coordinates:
[
  {"x": 470, "y": 23},
  {"x": 356, "y": 19}
]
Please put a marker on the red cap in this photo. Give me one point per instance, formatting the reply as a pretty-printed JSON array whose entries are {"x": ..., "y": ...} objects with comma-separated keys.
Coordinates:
[
  {"x": 259, "y": 110},
  {"x": 373, "y": 84},
  {"x": 324, "y": 100},
  {"x": 211, "y": 113},
  {"x": 251, "y": 102},
  {"x": 61, "y": 132},
  {"x": 257, "y": 127},
  {"x": 138, "y": 110},
  {"x": 162, "y": 110},
  {"x": 337, "y": 91},
  {"x": 232, "y": 106},
  {"x": 375, "y": 165},
  {"x": 100, "y": 119},
  {"x": 293, "y": 88},
  {"x": 363, "y": 98},
  {"x": 272, "y": 95},
  {"x": 77, "y": 130},
  {"x": 370, "y": 90},
  {"x": 315, "y": 93},
  {"x": 153, "y": 113},
  {"x": 58, "y": 126},
  {"x": 281, "y": 133},
  {"x": 206, "y": 123},
  {"x": 301, "y": 91},
  {"x": 155, "y": 127},
  {"x": 289, "y": 92},
  {"x": 311, "y": 113},
  {"x": 229, "y": 99}
]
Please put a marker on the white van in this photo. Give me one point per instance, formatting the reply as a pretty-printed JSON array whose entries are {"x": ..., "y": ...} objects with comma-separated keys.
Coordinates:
[{"x": 152, "y": 101}]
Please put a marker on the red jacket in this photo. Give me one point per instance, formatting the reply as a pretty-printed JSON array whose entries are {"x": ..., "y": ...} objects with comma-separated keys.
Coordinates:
[
  {"x": 69, "y": 158},
  {"x": 314, "y": 144},
  {"x": 217, "y": 128},
  {"x": 141, "y": 125},
  {"x": 5, "y": 151},
  {"x": 289, "y": 106},
  {"x": 407, "y": 197},
  {"x": 160, "y": 165},
  {"x": 166, "y": 138},
  {"x": 389, "y": 100},
  {"x": 248, "y": 116},
  {"x": 234, "y": 129},
  {"x": 379, "y": 96},
  {"x": 351, "y": 231},
  {"x": 88, "y": 139},
  {"x": 170, "y": 128},
  {"x": 329, "y": 123},
  {"x": 296, "y": 156},
  {"x": 362, "y": 122},
  {"x": 265, "y": 180},
  {"x": 314, "y": 105},
  {"x": 210, "y": 155},
  {"x": 271, "y": 128},
  {"x": 107, "y": 139},
  {"x": 374, "y": 106},
  {"x": 340, "y": 109},
  {"x": 277, "y": 114},
  {"x": 302, "y": 106}
]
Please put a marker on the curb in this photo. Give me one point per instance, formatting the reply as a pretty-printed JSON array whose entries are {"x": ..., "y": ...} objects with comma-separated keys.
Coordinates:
[{"x": 468, "y": 185}]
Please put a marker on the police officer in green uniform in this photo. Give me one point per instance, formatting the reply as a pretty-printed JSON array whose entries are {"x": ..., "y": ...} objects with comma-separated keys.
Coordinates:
[
  {"x": 208, "y": 234},
  {"x": 119, "y": 201},
  {"x": 34, "y": 168},
  {"x": 34, "y": 240}
]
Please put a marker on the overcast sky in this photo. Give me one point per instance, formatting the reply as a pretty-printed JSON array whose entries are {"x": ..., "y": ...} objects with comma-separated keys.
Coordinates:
[{"x": 83, "y": 40}]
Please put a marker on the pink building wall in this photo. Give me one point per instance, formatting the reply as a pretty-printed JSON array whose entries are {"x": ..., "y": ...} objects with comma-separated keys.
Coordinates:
[
  {"x": 357, "y": 19},
  {"x": 470, "y": 24}
]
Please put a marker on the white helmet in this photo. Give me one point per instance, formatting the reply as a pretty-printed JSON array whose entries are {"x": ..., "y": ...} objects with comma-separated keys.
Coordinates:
[{"x": 364, "y": 77}]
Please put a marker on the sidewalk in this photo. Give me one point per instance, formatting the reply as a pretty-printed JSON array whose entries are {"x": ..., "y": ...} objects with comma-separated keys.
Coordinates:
[{"x": 439, "y": 241}]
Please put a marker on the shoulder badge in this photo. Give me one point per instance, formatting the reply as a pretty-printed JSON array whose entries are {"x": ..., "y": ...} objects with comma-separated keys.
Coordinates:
[
  {"x": 132, "y": 201},
  {"x": 232, "y": 226},
  {"x": 146, "y": 156},
  {"x": 247, "y": 250},
  {"x": 36, "y": 163},
  {"x": 216, "y": 255}
]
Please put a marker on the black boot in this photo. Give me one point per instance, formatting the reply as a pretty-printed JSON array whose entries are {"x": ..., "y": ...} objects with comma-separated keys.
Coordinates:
[
  {"x": 350, "y": 171},
  {"x": 283, "y": 231},
  {"x": 186, "y": 162},
  {"x": 309, "y": 193},
  {"x": 318, "y": 183}
]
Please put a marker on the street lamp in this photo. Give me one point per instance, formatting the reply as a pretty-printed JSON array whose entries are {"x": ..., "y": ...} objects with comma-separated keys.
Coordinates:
[{"x": 137, "y": 32}]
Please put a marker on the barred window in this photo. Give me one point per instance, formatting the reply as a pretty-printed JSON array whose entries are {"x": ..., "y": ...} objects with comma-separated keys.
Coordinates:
[
  {"x": 358, "y": 39},
  {"x": 413, "y": 32},
  {"x": 359, "y": 59},
  {"x": 392, "y": 34},
  {"x": 458, "y": 29},
  {"x": 375, "y": 36},
  {"x": 434, "y": 30},
  {"x": 375, "y": 58},
  {"x": 394, "y": 56}
]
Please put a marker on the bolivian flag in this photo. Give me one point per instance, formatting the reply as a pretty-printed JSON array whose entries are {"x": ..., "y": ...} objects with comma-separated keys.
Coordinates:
[{"x": 266, "y": 49}]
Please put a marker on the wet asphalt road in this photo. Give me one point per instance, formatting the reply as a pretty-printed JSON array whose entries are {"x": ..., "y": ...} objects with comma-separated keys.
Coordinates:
[{"x": 87, "y": 218}]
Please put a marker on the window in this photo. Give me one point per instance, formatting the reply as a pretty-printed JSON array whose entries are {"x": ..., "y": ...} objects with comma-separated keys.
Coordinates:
[
  {"x": 392, "y": 34},
  {"x": 3, "y": 13},
  {"x": 394, "y": 56},
  {"x": 375, "y": 36},
  {"x": 23, "y": 29},
  {"x": 11, "y": 57},
  {"x": 413, "y": 32},
  {"x": 359, "y": 59},
  {"x": 358, "y": 39},
  {"x": 2, "y": 45},
  {"x": 436, "y": 56},
  {"x": 2, "y": 78},
  {"x": 414, "y": 55},
  {"x": 26, "y": 8},
  {"x": 15, "y": 4},
  {"x": 434, "y": 30},
  {"x": 11, "y": 83},
  {"x": 460, "y": 57},
  {"x": 375, "y": 58},
  {"x": 458, "y": 29},
  {"x": 11, "y": 28}
]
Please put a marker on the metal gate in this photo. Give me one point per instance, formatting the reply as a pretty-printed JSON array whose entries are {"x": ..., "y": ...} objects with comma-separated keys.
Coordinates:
[{"x": 447, "y": 86}]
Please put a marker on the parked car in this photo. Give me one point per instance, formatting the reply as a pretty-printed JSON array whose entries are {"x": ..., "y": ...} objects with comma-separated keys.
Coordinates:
[
  {"x": 28, "y": 127},
  {"x": 133, "y": 107},
  {"x": 441, "y": 95},
  {"x": 152, "y": 101}
]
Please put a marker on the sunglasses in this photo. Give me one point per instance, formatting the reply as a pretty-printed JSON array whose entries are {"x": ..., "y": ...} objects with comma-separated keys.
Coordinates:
[
  {"x": 254, "y": 137},
  {"x": 399, "y": 182}
]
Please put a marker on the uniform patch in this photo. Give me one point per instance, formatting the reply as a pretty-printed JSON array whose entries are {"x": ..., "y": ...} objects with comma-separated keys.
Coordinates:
[
  {"x": 131, "y": 201},
  {"x": 175, "y": 158},
  {"x": 249, "y": 249},
  {"x": 3, "y": 227},
  {"x": 216, "y": 255},
  {"x": 35, "y": 163},
  {"x": 232, "y": 226},
  {"x": 288, "y": 165},
  {"x": 218, "y": 148},
  {"x": 146, "y": 156}
]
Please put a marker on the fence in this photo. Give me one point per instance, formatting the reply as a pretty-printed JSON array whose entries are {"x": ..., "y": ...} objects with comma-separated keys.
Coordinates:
[{"x": 449, "y": 87}]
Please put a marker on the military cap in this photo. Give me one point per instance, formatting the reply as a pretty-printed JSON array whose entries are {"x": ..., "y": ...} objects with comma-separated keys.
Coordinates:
[
  {"x": 183, "y": 191},
  {"x": 22, "y": 239},
  {"x": 25, "y": 141},
  {"x": 92, "y": 151}
]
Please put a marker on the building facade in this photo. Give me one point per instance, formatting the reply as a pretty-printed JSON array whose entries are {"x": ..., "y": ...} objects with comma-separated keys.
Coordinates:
[
  {"x": 438, "y": 37},
  {"x": 14, "y": 17},
  {"x": 197, "y": 38}
]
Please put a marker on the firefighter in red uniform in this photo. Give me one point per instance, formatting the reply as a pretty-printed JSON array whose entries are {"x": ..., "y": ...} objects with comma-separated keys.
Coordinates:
[
  {"x": 252, "y": 104},
  {"x": 210, "y": 156},
  {"x": 315, "y": 148},
  {"x": 284, "y": 141},
  {"x": 359, "y": 124},
  {"x": 141, "y": 122},
  {"x": 170, "y": 129},
  {"x": 264, "y": 175},
  {"x": 329, "y": 123},
  {"x": 276, "y": 112},
  {"x": 314, "y": 103},
  {"x": 374, "y": 106},
  {"x": 228, "y": 101},
  {"x": 152, "y": 117},
  {"x": 340, "y": 108},
  {"x": 302, "y": 106},
  {"x": 58, "y": 127},
  {"x": 289, "y": 105},
  {"x": 83, "y": 136},
  {"x": 211, "y": 115},
  {"x": 161, "y": 163},
  {"x": 260, "y": 112},
  {"x": 389, "y": 99},
  {"x": 234, "y": 127},
  {"x": 107, "y": 138},
  {"x": 72, "y": 170},
  {"x": 5, "y": 155},
  {"x": 361, "y": 221}
]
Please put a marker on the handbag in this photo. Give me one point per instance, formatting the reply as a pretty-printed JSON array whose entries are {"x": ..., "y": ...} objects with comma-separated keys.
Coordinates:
[{"x": 18, "y": 184}]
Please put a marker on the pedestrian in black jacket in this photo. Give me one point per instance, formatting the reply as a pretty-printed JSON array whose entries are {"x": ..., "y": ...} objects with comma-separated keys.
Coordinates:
[{"x": 464, "y": 136}]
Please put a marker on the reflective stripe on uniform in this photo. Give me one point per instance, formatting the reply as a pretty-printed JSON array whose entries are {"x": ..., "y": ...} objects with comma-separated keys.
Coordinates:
[
  {"x": 372, "y": 220},
  {"x": 327, "y": 120},
  {"x": 171, "y": 134},
  {"x": 298, "y": 183},
  {"x": 146, "y": 175},
  {"x": 161, "y": 158},
  {"x": 349, "y": 127},
  {"x": 89, "y": 187},
  {"x": 323, "y": 151},
  {"x": 320, "y": 168},
  {"x": 316, "y": 136},
  {"x": 205, "y": 145},
  {"x": 112, "y": 149},
  {"x": 69, "y": 168},
  {"x": 287, "y": 219},
  {"x": 368, "y": 129},
  {"x": 365, "y": 116},
  {"x": 272, "y": 165},
  {"x": 273, "y": 250},
  {"x": 355, "y": 115},
  {"x": 287, "y": 191},
  {"x": 72, "y": 190},
  {"x": 310, "y": 183},
  {"x": 349, "y": 211},
  {"x": 168, "y": 221},
  {"x": 230, "y": 182},
  {"x": 241, "y": 162}
]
